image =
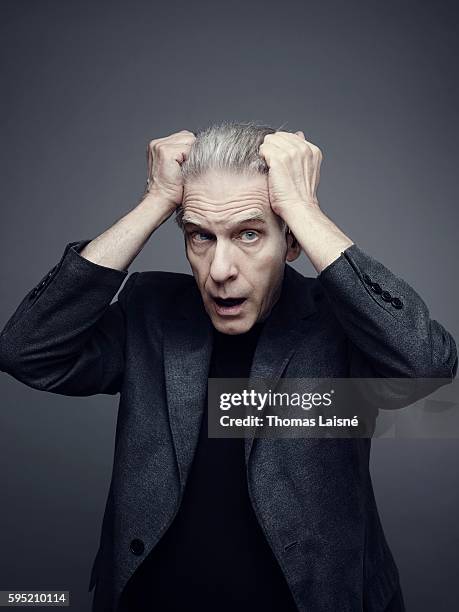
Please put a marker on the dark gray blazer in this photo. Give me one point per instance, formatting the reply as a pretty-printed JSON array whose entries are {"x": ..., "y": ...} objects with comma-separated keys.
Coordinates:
[{"x": 313, "y": 497}]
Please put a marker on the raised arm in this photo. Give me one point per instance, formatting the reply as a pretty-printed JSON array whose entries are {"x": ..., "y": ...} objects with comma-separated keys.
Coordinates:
[
  {"x": 65, "y": 337},
  {"x": 388, "y": 324}
]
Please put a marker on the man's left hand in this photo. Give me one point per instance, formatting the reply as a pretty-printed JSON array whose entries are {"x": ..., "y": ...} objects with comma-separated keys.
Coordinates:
[
  {"x": 294, "y": 171},
  {"x": 293, "y": 178}
]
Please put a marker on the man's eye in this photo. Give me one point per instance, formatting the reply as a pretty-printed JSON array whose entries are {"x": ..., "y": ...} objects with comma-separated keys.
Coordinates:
[
  {"x": 251, "y": 235},
  {"x": 200, "y": 236}
]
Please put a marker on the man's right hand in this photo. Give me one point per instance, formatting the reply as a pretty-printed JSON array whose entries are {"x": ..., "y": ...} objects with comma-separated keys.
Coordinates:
[
  {"x": 118, "y": 246},
  {"x": 164, "y": 158}
]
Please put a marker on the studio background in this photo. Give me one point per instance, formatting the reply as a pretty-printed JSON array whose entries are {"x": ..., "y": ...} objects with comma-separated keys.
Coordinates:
[{"x": 86, "y": 85}]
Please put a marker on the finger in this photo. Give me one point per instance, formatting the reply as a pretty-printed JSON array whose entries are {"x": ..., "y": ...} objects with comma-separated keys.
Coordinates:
[
  {"x": 287, "y": 139},
  {"x": 170, "y": 149},
  {"x": 289, "y": 145},
  {"x": 183, "y": 136},
  {"x": 174, "y": 150},
  {"x": 292, "y": 135},
  {"x": 167, "y": 149},
  {"x": 272, "y": 151},
  {"x": 300, "y": 142},
  {"x": 294, "y": 139}
]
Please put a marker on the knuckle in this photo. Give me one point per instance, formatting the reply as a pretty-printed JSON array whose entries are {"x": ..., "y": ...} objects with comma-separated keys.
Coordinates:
[
  {"x": 284, "y": 156},
  {"x": 306, "y": 151},
  {"x": 317, "y": 152},
  {"x": 315, "y": 149}
]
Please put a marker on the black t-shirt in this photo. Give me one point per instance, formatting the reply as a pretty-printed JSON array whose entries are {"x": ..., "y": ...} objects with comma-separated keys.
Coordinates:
[{"x": 214, "y": 557}]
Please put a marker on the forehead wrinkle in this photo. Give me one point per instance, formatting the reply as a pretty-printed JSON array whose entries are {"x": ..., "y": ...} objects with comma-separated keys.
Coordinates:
[
  {"x": 235, "y": 217},
  {"x": 191, "y": 199},
  {"x": 206, "y": 193}
]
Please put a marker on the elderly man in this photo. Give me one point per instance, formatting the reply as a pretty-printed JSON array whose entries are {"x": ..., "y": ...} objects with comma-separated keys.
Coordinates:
[{"x": 194, "y": 522}]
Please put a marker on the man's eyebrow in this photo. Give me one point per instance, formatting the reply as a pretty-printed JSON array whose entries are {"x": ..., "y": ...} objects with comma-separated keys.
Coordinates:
[{"x": 255, "y": 216}]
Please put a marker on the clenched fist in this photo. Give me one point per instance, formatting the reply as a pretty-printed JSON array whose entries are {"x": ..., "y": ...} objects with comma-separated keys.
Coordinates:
[
  {"x": 294, "y": 171},
  {"x": 164, "y": 158}
]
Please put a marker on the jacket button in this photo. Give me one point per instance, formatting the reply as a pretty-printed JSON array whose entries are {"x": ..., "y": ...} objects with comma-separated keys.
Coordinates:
[
  {"x": 367, "y": 279},
  {"x": 137, "y": 546},
  {"x": 396, "y": 303},
  {"x": 376, "y": 288},
  {"x": 386, "y": 296}
]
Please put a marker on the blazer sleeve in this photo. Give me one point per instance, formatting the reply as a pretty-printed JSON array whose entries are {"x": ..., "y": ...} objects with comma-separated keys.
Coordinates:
[
  {"x": 65, "y": 337},
  {"x": 387, "y": 323}
]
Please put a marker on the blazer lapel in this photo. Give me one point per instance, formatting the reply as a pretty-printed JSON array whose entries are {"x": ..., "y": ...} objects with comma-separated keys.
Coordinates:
[
  {"x": 187, "y": 351},
  {"x": 282, "y": 332}
]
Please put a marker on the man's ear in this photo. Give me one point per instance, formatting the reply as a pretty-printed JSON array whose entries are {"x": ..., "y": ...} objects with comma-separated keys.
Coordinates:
[{"x": 293, "y": 247}]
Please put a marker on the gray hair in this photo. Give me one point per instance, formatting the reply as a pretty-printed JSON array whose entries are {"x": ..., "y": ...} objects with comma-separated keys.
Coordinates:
[{"x": 230, "y": 146}]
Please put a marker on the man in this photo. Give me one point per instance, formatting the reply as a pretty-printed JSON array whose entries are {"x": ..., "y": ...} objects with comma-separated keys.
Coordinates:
[{"x": 198, "y": 523}]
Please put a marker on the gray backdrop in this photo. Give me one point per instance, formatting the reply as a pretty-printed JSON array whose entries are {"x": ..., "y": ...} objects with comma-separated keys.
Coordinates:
[{"x": 86, "y": 85}]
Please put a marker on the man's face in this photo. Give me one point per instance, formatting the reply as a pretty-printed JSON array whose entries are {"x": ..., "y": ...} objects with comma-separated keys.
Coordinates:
[{"x": 231, "y": 255}]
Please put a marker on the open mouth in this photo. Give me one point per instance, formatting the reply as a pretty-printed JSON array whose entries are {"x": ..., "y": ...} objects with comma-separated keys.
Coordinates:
[
  {"x": 228, "y": 306},
  {"x": 229, "y": 301}
]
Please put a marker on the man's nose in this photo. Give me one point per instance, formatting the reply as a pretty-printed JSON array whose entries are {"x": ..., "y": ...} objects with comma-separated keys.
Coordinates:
[{"x": 223, "y": 266}]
